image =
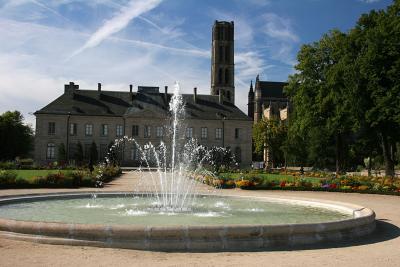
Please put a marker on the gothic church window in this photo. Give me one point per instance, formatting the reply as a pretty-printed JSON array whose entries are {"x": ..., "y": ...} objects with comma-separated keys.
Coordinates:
[{"x": 226, "y": 76}]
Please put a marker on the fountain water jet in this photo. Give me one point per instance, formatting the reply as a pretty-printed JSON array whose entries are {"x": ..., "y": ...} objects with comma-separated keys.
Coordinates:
[{"x": 177, "y": 161}]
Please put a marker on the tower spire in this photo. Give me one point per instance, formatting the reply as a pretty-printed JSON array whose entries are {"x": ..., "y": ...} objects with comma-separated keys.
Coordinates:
[{"x": 222, "y": 61}]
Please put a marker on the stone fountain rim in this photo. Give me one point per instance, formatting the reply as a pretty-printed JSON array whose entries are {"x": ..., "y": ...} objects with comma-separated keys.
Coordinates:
[{"x": 190, "y": 237}]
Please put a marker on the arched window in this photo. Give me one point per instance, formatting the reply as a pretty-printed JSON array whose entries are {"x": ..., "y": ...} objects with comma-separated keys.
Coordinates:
[
  {"x": 238, "y": 154},
  {"x": 221, "y": 53},
  {"x": 226, "y": 76},
  {"x": 220, "y": 76},
  {"x": 51, "y": 151},
  {"x": 227, "y": 52}
]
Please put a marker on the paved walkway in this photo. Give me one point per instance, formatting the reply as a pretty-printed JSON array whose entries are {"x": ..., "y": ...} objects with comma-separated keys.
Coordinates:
[{"x": 380, "y": 249}]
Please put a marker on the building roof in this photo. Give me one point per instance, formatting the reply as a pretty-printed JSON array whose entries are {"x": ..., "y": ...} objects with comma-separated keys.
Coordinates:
[
  {"x": 272, "y": 89},
  {"x": 144, "y": 103}
]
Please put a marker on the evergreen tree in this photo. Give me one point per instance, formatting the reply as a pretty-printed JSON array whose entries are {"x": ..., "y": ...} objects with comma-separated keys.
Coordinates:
[
  {"x": 79, "y": 153},
  {"x": 16, "y": 138}
]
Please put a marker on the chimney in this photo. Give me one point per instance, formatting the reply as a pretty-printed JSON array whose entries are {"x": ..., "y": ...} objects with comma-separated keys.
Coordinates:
[
  {"x": 99, "y": 87},
  {"x": 70, "y": 88},
  {"x": 221, "y": 99},
  {"x": 130, "y": 88},
  {"x": 166, "y": 95},
  {"x": 195, "y": 95}
]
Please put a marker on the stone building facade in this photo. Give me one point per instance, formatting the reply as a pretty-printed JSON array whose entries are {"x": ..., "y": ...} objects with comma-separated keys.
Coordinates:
[{"x": 86, "y": 116}]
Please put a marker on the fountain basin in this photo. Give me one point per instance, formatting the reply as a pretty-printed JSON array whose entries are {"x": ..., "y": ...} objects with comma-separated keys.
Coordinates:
[{"x": 226, "y": 235}]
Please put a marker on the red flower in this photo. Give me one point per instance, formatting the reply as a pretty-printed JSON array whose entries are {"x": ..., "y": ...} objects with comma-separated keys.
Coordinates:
[{"x": 283, "y": 183}]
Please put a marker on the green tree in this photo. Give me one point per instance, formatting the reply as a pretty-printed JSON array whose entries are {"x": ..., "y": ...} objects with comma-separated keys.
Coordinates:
[
  {"x": 79, "y": 153},
  {"x": 323, "y": 105},
  {"x": 62, "y": 153},
  {"x": 94, "y": 155},
  {"x": 376, "y": 39},
  {"x": 270, "y": 134},
  {"x": 16, "y": 138}
]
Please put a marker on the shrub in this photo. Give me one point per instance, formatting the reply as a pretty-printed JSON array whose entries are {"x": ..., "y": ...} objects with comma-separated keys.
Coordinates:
[
  {"x": 7, "y": 165},
  {"x": 7, "y": 177}
]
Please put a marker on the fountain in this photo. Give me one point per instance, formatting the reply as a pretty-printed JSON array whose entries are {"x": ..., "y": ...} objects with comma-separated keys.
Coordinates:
[{"x": 172, "y": 214}]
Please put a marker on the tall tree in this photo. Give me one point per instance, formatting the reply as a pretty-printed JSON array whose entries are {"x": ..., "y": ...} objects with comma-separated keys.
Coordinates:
[
  {"x": 94, "y": 155},
  {"x": 16, "y": 138},
  {"x": 318, "y": 93},
  {"x": 271, "y": 135},
  {"x": 79, "y": 153},
  {"x": 376, "y": 38},
  {"x": 62, "y": 153}
]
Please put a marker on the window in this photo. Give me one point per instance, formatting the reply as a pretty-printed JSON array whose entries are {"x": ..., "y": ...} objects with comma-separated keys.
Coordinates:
[
  {"x": 204, "y": 132},
  {"x": 218, "y": 133},
  {"x": 159, "y": 131},
  {"x": 135, "y": 130},
  {"x": 147, "y": 131},
  {"x": 52, "y": 128},
  {"x": 227, "y": 51},
  {"x": 134, "y": 153},
  {"x": 73, "y": 129},
  {"x": 89, "y": 129},
  {"x": 221, "y": 53},
  {"x": 51, "y": 149},
  {"x": 220, "y": 76},
  {"x": 104, "y": 129},
  {"x": 237, "y": 133},
  {"x": 189, "y": 132},
  {"x": 226, "y": 76},
  {"x": 120, "y": 130},
  {"x": 228, "y": 95}
]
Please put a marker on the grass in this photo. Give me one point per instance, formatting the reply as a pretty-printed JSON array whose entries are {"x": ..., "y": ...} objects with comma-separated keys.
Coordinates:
[
  {"x": 270, "y": 177},
  {"x": 29, "y": 174}
]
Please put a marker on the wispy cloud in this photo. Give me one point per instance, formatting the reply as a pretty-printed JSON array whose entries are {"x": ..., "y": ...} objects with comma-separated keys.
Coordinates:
[
  {"x": 118, "y": 22},
  {"x": 279, "y": 28},
  {"x": 369, "y": 1}
]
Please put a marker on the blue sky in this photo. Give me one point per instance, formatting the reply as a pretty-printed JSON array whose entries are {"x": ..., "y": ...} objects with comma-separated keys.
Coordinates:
[{"x": 47, "y": 43}]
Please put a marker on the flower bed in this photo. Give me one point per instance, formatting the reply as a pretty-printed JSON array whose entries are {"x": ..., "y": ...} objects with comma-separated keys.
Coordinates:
[
  {"x": 299, "y": 182},
  {"x": 61, "y": 179}
]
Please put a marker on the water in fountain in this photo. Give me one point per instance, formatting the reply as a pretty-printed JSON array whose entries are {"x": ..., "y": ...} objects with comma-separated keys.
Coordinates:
[{"x": 178, "y": 161}]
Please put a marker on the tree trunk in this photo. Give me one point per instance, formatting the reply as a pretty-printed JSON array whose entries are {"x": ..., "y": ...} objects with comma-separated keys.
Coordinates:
[
  {"x": 338, "y": 154},
  {"x": 387, "y": 156},
  {"x": 369, "y": 166}
]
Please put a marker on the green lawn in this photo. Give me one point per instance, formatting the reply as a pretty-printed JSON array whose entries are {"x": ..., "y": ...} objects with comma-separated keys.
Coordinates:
[
  {"x": 28, "y": 174},
  {"x": 270, "y": 177}
]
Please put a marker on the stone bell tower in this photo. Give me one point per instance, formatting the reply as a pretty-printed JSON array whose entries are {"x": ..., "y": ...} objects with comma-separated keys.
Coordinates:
[{"x": 222, "y": 61}]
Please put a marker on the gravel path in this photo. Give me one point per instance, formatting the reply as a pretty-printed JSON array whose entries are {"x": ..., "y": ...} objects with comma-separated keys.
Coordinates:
[{"x": 380, "y": 249}]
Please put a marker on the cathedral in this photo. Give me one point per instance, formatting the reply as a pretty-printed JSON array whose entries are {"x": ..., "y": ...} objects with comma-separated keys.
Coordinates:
[
  {"x": 79, "y": 118},
  {"x": 267, "y": 100}
]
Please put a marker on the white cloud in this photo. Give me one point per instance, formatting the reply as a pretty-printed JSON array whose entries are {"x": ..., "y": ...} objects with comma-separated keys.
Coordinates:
[
  {"x": 32, "y": 73},
  {"x": 118, "y": 22},
  {"x": 259, "y": 3},
  {"x": 370, "y": 1},
  {"x": 279, "y": 28}
]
